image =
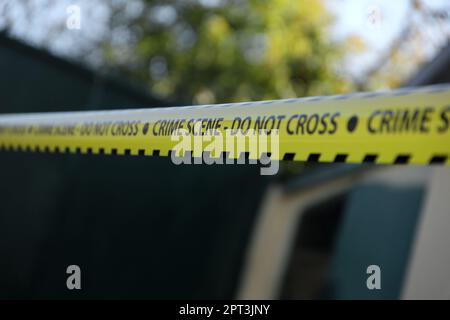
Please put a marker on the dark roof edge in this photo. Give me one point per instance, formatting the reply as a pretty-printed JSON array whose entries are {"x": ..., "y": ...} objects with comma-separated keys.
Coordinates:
[
  {"x": 427, "y": 73},
  {"x": 77, "y": 68}
]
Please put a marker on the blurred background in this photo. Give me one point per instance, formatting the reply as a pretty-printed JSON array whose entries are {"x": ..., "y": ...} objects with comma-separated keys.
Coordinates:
[{"x": 144, "y": 228}]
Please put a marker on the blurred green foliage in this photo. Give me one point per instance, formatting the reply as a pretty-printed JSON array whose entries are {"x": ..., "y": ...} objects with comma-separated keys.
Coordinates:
[{"x": 210, "y": 51}]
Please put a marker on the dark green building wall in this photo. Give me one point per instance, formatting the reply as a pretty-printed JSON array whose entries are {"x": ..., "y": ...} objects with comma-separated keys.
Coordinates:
[{"x": 138, "y": 227}]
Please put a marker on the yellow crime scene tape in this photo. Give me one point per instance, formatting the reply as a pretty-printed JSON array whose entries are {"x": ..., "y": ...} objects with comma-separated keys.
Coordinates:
[{"x": 409, "y": 126}]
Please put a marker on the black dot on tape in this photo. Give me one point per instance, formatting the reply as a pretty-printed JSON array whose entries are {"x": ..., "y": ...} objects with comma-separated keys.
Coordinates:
[
  {"x": 145, "y": 128},
  {"x": 351, "y": 124}
]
